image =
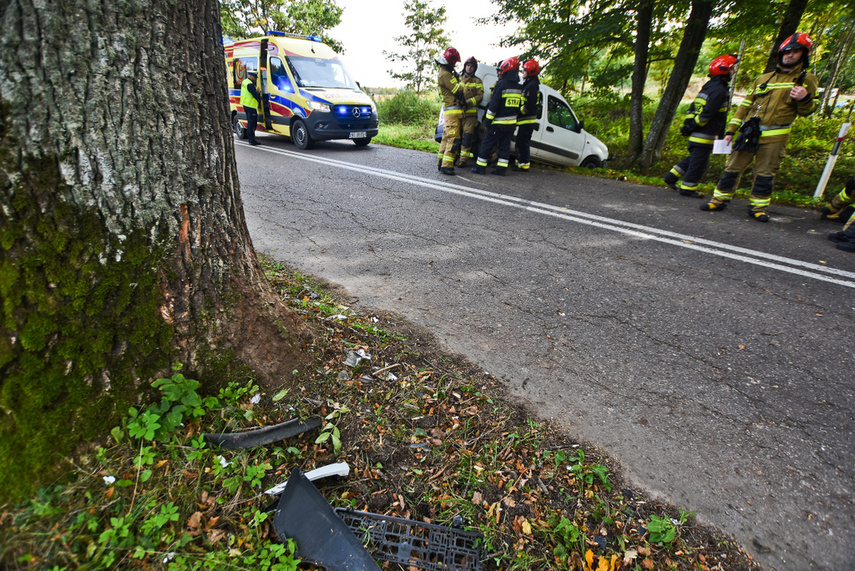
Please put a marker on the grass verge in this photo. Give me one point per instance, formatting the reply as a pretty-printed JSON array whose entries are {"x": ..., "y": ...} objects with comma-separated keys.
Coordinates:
[{"x": 427, "y": 437}]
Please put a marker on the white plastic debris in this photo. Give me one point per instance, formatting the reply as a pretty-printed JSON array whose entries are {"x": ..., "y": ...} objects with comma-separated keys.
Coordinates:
[
  {"x": 256, "y": 398},
  {"x": 109, "y": 480},
  {"x": 352, "y": 359},
  {"x": 339, "y": 316},
  {"x": 338, "y": 469},
  {"x": 362, "y": 353},
  {"x": 223, "y": 462}
]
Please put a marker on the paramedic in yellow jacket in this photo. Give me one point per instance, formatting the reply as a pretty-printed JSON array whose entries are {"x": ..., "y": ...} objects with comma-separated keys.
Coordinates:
[
  {"x": 452, "y": 110},
  {"x": 764, "y": 119},
  {"x": 473, "y": 91}
]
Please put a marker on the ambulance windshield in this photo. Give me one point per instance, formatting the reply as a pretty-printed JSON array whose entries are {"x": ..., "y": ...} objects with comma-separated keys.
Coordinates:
[{"x": 316, "y": 72}]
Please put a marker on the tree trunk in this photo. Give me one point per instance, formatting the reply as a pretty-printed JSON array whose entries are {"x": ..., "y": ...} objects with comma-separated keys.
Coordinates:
[
  {"x": 841, "y": 56},
  {"x": 124, "y": 244},
  {"x": 684, "y": 64},
  {"x": 644, "y": 20},
  {"x": 789, "y": 26}
]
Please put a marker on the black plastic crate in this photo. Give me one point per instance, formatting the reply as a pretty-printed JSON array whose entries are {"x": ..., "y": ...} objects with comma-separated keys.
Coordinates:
[{"x": 412, "y": 543}]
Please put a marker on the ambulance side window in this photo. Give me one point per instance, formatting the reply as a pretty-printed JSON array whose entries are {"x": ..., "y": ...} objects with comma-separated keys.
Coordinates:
[
  {"x": 240, "y": 67},
  {"x": 279, "y": 76},
  {"x": 558, "y": 113}
]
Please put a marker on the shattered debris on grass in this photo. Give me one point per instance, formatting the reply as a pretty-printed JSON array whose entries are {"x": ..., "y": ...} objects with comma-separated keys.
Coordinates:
[{"x": 427, "y": 437}]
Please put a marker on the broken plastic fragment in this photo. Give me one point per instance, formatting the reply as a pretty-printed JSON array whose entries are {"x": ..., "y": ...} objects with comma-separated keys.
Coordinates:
[
  {"x": 262, "y": 436},
  {"x": 338, "y": 469},
  {"x": 321, "y": 536},
  {"x": 256, "y": 398},
  {"x": 109, "y": 480},
  {"x": 223, "y": 462},
  {"x": 352, "y": 359}
]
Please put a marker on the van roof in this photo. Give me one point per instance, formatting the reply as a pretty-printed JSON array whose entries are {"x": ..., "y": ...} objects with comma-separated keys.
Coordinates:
[{"x": 288, "y": 46}]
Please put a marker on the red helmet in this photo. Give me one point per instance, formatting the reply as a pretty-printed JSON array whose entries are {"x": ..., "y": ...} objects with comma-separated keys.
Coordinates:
[
  {"x": 722, "y": 65},
  {"x": 531, "y": 67},
  {"x": 450, "y": 56},
  {"x": 795, "y": 42},
  {"x": 509, "y": 64}
]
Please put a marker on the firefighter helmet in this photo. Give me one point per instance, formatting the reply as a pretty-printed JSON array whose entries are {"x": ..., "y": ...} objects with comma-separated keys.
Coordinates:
[
  {"x": 797, "y": 41},
  {"x": 449, "y": 57},
  {"x": 531, "y": 68},
  {"x": 510, "y": 64},
  {"x": 473, "y": 61},
  {"x": 722, "y": 65}
]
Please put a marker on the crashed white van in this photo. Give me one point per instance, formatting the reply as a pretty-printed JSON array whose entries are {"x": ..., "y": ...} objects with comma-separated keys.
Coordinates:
[{"x": 559, "y": 136}]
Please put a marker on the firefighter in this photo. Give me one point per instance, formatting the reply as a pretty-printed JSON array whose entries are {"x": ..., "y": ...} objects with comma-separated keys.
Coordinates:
[
  {"x": 837, "y": 208},
  {"x": 501, "y": 117},
  {"x": 473, "y": 92},
  {"x": 845, "y": 240},
  {"x": 707, "y": 118},
  {"x": 764, "y": 120},
  {"x": 529, "y": 112},
  {"x": 250, "y": 100},
  {"x": 452, "y": 110}
]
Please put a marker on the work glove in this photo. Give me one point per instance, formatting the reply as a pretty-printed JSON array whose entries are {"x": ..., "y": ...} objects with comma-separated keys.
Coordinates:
[{"x": 689, "y": 127}]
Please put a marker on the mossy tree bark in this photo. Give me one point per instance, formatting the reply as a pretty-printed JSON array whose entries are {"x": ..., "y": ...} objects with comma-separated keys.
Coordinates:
[{"x": 123, "y": 244}]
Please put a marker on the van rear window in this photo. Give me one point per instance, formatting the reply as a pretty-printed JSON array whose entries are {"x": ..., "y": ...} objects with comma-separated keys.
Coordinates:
[{"x": 316, "y": 72}]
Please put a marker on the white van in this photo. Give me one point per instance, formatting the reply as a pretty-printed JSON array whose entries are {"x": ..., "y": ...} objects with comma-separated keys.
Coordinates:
[{"x": 559, "y": 136}]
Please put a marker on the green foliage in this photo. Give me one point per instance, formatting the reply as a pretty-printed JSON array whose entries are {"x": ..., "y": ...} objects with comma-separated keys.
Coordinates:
[
  {"x": 109, "y": 523},
  {"x": 425, "y": 42},
  {"x": 247, "y": 18},
  {"x": 566, "y": 537},
  {"x": 590, "y": 473},
  {"x": 409, "y": 108}
]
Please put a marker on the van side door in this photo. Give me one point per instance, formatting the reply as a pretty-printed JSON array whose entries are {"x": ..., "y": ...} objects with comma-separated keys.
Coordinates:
[{"x": 559, "y": 139}]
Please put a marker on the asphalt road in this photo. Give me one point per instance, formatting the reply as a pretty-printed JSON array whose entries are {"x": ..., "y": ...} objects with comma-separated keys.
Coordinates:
[{"x": 710, "y": 354}]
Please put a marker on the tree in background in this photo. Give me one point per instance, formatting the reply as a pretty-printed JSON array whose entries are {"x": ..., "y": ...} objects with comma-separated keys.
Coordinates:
[
  {"x": 247, "y": 18},
  {"x": 424, "y": 44},
  {"x": 123, "y": 244},
  {"x": 687, "y": 56}
]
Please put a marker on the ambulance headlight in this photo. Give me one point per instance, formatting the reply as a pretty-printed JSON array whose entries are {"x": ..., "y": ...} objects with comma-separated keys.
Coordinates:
[{"x": 318, "y": 106}]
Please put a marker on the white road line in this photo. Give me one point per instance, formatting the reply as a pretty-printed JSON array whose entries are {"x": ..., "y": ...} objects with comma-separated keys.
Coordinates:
[{"x": 772, "y": 261}]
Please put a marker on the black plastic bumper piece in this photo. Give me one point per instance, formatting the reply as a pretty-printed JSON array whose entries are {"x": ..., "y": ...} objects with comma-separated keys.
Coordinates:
[{"x": 262, "y": 436}]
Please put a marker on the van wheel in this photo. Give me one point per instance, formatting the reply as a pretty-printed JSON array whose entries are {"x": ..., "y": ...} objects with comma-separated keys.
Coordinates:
[
  {"x": 591, "y": 162},
  {"x": 300, "y": 135},
  {"x": 240, "y": 130},
  {"x": 363, "y": 142}
]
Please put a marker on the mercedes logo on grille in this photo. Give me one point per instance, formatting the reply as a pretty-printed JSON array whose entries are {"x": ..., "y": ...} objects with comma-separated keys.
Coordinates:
[{"x": 355, "y": 112}]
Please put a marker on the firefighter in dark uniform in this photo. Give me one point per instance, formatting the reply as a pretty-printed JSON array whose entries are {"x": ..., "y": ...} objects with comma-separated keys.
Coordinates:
[
  {"x": 845, "y": 240},
  {"x": 449, "y": 88},
  {"x": 707, "y": 118},
  {"x": 473, "y": 92},
  {"x": 529, "y": 112},
  {"x": 764, "y": 119},
  {"x": 501, "y": 117},
  {"x": 837, "y": 208}
]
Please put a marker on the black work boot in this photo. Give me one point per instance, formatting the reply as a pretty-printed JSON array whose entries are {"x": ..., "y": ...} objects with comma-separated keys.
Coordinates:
[
  {"x": 846, "y": 246},
  {"x": 499, "y": 171},
  {"x": 713, "y": 206},
  {"x": 479, "y": 170},
  {"x": 690, "y": 193},
  {"x": 670, "y": 181},
  {"x": 758, "y": 215},
  {"x": 447, "y": 170}
]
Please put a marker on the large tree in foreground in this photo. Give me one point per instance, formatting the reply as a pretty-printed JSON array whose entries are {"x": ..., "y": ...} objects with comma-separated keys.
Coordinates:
[{"x": 123, "y": 246}]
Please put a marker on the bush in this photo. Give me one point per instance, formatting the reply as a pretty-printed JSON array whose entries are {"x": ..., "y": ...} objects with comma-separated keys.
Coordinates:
[{"x": 409, "y": 108}]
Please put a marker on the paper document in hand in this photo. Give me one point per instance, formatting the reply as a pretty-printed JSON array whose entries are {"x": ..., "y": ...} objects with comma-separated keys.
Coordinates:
[{"x": 720, "y": 147}]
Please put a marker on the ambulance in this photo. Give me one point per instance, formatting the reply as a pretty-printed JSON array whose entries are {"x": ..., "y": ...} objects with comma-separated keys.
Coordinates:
[{"x": 307, "y": 93}]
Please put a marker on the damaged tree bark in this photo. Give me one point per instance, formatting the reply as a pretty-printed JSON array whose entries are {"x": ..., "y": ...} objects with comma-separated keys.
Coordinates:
[{"x": 123, "y": 244}]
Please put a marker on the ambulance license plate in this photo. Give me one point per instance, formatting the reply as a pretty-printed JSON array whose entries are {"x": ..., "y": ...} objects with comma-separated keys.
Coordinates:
[{"x": 358, "y": 135}]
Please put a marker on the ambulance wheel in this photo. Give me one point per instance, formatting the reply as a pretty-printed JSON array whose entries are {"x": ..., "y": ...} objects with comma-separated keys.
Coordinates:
[
  {"x": 300, "y": 135},
  {"x": 363, "y": 142},
  {"x": 240, "y": 130},
  {"x": 591, "y": 162}
]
